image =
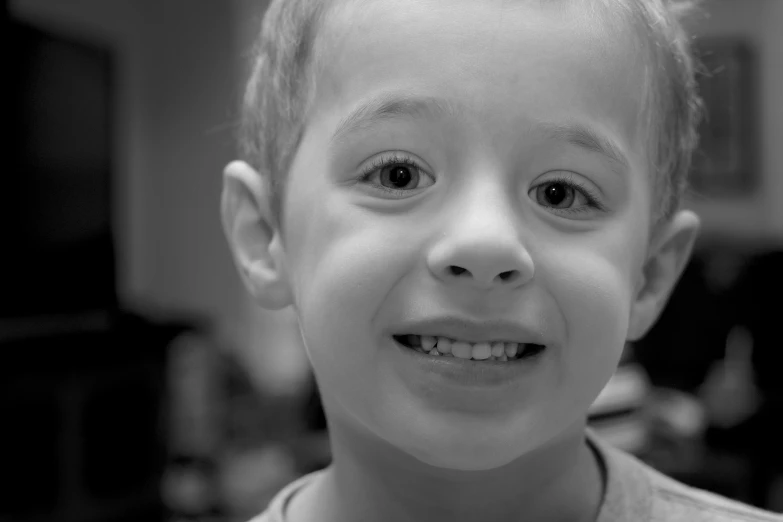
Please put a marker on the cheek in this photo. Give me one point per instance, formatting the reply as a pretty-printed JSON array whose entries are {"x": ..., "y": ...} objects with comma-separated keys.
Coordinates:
[
  {"x": 343, "y": 265},
  {"x": 342, "y": 258},
  {"x": 593, "y": 295}
]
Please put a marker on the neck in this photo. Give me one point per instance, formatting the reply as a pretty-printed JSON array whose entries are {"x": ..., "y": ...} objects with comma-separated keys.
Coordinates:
[{"x": 371, "y": 480}]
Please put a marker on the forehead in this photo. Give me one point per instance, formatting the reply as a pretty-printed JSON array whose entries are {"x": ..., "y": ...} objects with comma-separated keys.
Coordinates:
[{"x": 495, "y": 58}]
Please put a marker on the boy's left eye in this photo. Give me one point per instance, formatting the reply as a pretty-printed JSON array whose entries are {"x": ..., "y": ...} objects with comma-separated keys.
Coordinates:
[
  {"x": 565, "y": 194},
  {"x": 396, "y": 175}
]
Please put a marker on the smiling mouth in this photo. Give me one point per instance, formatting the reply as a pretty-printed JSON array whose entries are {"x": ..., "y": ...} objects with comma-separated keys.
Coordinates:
[{"x": 483, "y": 351}]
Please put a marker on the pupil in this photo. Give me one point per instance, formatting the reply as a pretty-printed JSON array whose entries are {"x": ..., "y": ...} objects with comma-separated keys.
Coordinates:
[
  {"x": 400, "y": 176},
  {"x": 555, "y": 193}
]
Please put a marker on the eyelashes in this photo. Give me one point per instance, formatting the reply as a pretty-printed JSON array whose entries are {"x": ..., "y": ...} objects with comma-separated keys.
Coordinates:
[{"x": 386, "y": 161}]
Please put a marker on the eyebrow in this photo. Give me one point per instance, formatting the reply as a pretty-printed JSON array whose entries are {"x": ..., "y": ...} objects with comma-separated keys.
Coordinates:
[
  {"x": 393, "y": 105},
  {"x": 388, "y": 106},
  {"x": 587, "y": 138}
]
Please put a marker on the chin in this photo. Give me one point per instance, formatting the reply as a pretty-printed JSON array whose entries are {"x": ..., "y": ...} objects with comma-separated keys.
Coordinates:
[{"x": 465, "y": 455}]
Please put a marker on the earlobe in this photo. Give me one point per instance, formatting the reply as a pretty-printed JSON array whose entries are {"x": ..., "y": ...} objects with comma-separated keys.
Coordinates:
[
  {"x": 254, "y": 241},
  {"x": 670, "y": 252}
]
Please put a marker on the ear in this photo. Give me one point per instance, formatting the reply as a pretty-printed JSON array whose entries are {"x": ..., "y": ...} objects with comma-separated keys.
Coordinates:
[
  {"x": 670, "y": 250},
  {"x": 254, "y": 241}
]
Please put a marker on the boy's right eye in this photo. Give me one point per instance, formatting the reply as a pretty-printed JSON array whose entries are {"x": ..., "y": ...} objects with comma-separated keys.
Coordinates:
[{"x": 396, "y": 175}]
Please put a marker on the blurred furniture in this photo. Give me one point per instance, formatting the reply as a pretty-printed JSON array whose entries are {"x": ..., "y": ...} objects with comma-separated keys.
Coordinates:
[
  {"x": 725, "y": 162},
  {"x": 81, "y": 407},
  {"x": 728, "y": 285},
  {"x": 756, "y": 297},
  {"x": 619, "y": 413}
]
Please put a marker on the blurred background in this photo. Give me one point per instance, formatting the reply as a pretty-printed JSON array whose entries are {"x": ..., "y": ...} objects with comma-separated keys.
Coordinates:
[{"x": 139, "y": 382}]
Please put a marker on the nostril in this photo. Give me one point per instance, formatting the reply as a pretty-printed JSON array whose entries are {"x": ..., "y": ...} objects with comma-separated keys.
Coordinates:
[
  {"x": 509, "y": 276},
  {"x": 457, "y": 270}
]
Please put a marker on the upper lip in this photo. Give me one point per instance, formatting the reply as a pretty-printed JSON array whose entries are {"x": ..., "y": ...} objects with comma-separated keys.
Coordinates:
[{"x": 471, "y": 330}]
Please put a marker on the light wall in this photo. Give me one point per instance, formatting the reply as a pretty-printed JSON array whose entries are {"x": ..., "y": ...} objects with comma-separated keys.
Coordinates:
[
  {"x": 175, "y": 76},
  {"x": 178, "y": 70},
  {"x": 759, "y": 214}
]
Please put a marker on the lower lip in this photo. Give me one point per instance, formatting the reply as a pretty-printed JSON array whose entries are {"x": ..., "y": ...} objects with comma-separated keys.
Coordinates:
[{"x": 467, "y": 373}]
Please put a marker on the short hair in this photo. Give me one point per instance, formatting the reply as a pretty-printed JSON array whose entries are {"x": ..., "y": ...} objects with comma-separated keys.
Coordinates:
[{"x": 281, "y": 87}]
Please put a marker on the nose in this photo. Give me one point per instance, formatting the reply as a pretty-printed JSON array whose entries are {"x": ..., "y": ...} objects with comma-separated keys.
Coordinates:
[{"x": 482, "y": 248}]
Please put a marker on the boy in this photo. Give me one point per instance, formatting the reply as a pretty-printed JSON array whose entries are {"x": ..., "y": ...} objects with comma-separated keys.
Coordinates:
[{"x": 471, "y": 206}]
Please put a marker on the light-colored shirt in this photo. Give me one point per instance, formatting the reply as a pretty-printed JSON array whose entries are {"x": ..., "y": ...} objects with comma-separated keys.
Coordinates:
[{"x": 634, "y": 493}]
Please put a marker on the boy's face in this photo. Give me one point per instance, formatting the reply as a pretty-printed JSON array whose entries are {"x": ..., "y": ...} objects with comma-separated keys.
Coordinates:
[{"x": 504, "y": 204}]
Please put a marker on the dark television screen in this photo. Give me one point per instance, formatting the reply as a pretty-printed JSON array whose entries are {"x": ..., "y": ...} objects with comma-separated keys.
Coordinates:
[{"x": 56, "y": 241}]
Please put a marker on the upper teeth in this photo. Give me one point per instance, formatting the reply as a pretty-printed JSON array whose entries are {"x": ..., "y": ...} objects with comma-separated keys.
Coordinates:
[{"x": 483, "y": 350}]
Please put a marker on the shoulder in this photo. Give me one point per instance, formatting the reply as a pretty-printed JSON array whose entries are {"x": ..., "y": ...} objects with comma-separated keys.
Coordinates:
[
  {"x": 263, "y": 517},
  {"x": 676, "y": 501},
  {"x": 276, "y": 511},
  {"x": 635, "y": 491}
]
